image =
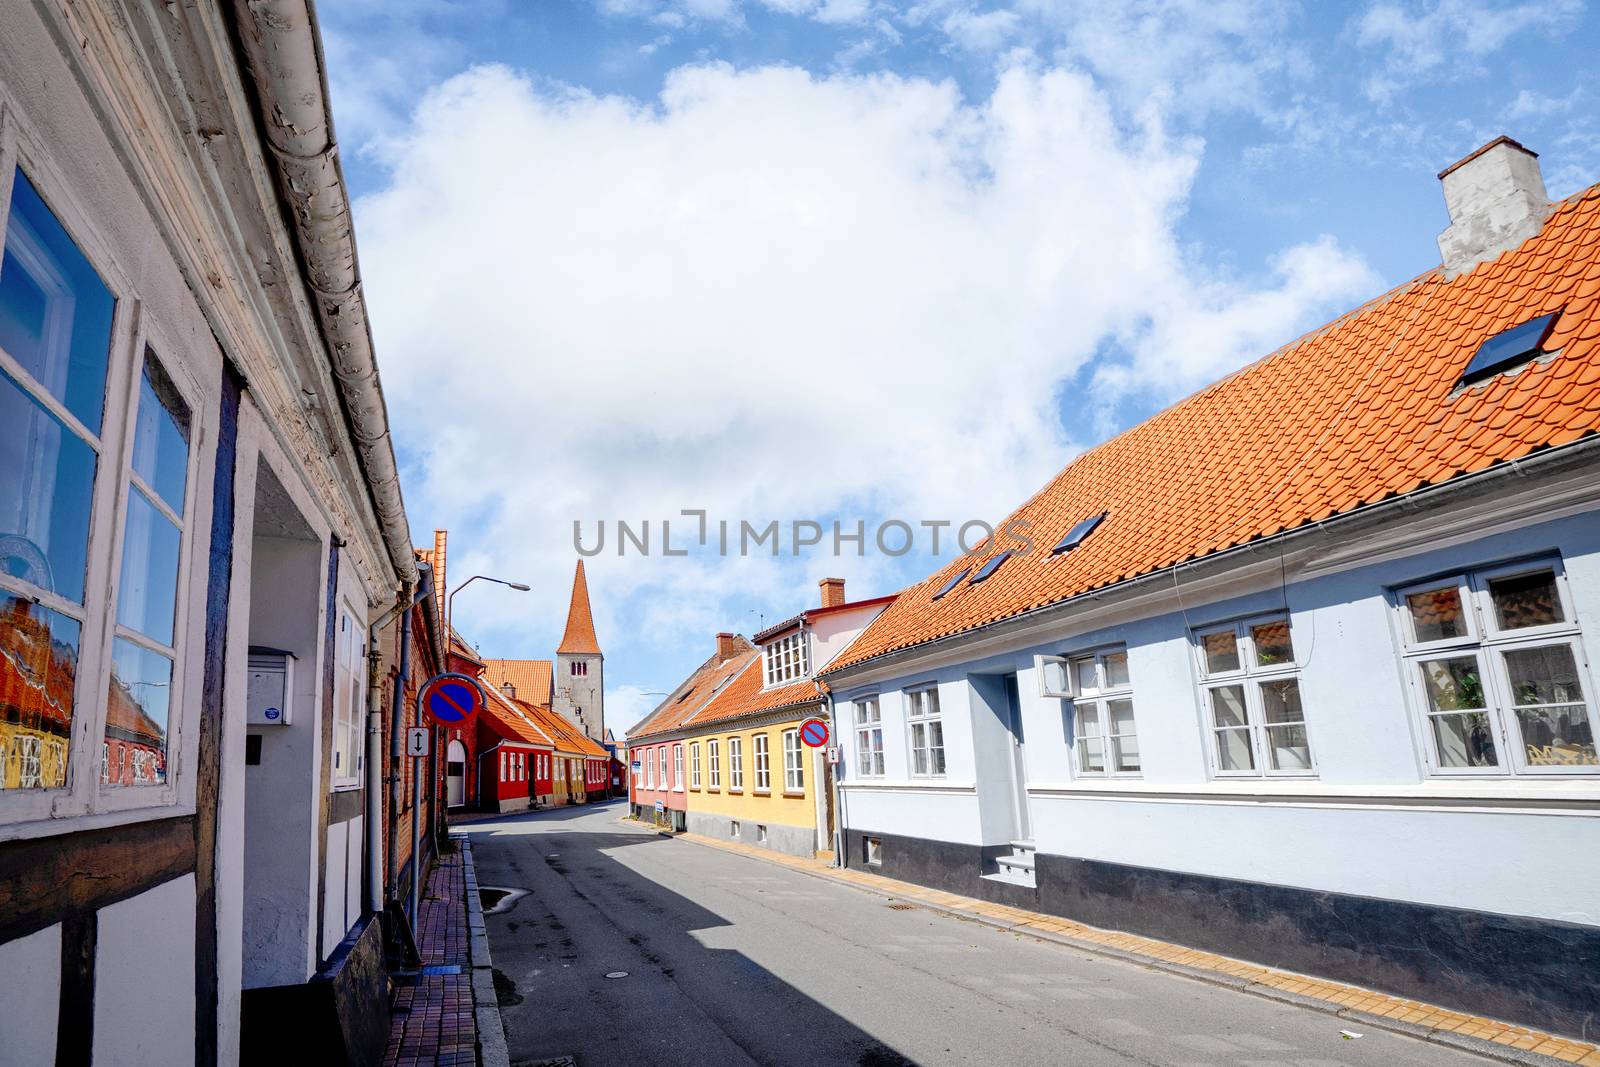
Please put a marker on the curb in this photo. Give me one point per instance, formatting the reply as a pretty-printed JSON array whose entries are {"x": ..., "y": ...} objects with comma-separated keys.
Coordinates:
[
  {"x": 1479, "y": 1046},
  {"x": 492, "y": 1048}
]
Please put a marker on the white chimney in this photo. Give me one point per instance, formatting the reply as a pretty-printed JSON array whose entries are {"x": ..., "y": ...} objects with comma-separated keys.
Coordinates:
[{"x": 1496, "y": 199}]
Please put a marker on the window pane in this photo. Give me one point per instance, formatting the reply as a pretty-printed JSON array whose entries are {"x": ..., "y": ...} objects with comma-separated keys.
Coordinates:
[
  {"x": 935, "y": 747},
  {"x": 1222, "y": 651},
  {"x": 1464, "y": 740},
  {"x": 46, "y": 488},
  {"x": 38, "y": 673},
  {"x": 1227, "y": 706},
  {"x": 1124, "y": 742},
  {"x": 1288, "y": 748},
  {"x": 55, "y": 312},
  {"x": 1558, "y": 736},
  {"x": 161, "y": 439},
  {"x": 1088, "y": 718},
  {"x": 1555, "y": 724},
  {"x": 1437, "y": 615},
  {"x": 1280, "y": 701},
  {"x": 1271, "y": 639},
  {"x": 1091, "y": 755},
  {"x": 1116, "y": 670},
  {"x": 148, "y": 590},
  {"x": 1546, "y": 675},
  {"x": 1452, "y": 684},
  {"x": 1233, "y": 751},
  {"x": 930, "y": 701},
  {"x": 1088, "y": 679},
  {"x": 136, "y": 715},
  {"x": 1525, "y": 600}
]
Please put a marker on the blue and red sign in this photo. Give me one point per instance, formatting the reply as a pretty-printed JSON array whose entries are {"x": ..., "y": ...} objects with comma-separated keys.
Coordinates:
[
  {"x": 814, "y": 732},
  {"x": 450, "y": 699}
]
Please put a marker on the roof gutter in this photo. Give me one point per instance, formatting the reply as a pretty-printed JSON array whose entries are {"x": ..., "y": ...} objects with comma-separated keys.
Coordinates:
[
  {"x": 283, "y": 54},
  {"x": 1437, "y": 495}
]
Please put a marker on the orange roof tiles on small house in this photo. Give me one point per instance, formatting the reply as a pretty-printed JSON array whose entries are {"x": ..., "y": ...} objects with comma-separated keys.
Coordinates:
[
  {"x": 566, "y": 738},
  {"x": 733, "y": 653},
  {"x": 1369, "y": 407},
  {"x": 744, "y": 696},
  {"x": 511, "y": 721},
  {"x": 579, "y": 638},
  {"x": 530, "y": 679}
]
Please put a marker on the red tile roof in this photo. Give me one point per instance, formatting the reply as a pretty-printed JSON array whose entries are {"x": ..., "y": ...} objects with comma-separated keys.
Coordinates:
[
  {"x": 511, "y": 722},
  {"x": 693, "y": 692},
  {"x": 567, "y": 737},
  {"x": 744, "y": 696},
  {"x": 1363, "y": 409},
  {"x": 579, "y": 638},
  {"x": 530, "y": 678}
]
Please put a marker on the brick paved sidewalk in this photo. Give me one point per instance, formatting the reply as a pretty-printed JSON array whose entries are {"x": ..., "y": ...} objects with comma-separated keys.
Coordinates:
[
  {"x": 1360, "y": 1006},
  {"x": 447, "y": 1013}
]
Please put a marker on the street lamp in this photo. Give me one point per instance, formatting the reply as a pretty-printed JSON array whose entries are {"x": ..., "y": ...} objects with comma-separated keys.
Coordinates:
[{"x": 449, "y": 603}]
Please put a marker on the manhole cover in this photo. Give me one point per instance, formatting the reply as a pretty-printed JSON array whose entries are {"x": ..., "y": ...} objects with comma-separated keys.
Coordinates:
[
  {"x": 902, "y": 907},
  {"x": 616, "y": 974}
]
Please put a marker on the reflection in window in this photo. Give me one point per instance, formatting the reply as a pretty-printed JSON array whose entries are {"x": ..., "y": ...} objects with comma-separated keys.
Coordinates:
[
  {"x": 1222, "y": 652},
  {"x": 1437, "y": 615},
  {"x": 148, "y": 589},
  {"x": 55, "y": 312},
  {"x": 137, "y": 714},
  {"x": 46, "y": 488},
  {"x": 161, "y": 436},
  {"x": 1524, "y": 600},
  {"x": 1258, "y": 723},
  {"x": 38, "y": 675}
]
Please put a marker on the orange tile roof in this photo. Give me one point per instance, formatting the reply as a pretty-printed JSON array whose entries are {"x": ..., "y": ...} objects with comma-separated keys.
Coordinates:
[
  {"x": 511, "y": 722},
  {"x": 530, "y": 678},
  {"x": 579, "y": 638},
  {"x": 567, "y": 737},
  {"x": 744, "y": 696},
  {"x": 1363, "y": 409},
  {"x": 691, "y": 695}
]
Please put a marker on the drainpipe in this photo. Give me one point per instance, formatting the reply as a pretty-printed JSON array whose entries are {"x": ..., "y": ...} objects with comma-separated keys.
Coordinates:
[{"x": 397, "y": 758}]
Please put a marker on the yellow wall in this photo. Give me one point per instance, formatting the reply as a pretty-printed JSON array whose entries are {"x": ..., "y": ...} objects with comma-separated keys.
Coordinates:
[{"x": 777, "y": 808}]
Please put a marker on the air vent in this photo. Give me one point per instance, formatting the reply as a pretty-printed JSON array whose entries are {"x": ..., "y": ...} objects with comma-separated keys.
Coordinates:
[
  {"x": 1076, "y": 535},
  {"x": 952, "y": 583},
  {"x": 990, "y": 567},
  {"x": 1509, "y": 348}
]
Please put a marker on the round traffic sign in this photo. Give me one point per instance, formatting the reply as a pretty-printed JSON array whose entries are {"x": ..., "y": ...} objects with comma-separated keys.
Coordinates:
[
  {"x": 450, "y": 699},
  {"x": 814, "y": 732}
]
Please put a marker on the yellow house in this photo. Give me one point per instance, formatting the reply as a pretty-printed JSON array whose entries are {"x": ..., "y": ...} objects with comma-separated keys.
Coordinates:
[{"x": 749, "y": 776}]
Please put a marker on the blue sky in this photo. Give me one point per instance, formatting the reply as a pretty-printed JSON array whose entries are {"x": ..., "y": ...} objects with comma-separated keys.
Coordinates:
[{"x": 855, "y": 260}]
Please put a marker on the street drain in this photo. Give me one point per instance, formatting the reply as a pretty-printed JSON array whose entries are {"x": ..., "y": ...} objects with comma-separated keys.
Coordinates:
[
  {"x": 902, "y": 907},
  {"x": 616, "y": 974}
]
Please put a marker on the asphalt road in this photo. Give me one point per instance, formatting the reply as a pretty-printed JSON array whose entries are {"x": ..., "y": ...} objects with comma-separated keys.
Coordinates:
[{"x": 734, "y": 961}]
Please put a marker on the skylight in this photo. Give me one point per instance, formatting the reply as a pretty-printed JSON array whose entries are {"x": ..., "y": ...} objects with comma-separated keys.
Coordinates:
[
  {"x": 990, "y": 567},
  {"x": 1076, "y": 535},
  {"x": 1508, "y": 348},
  {"x": 952, "y": 583}
]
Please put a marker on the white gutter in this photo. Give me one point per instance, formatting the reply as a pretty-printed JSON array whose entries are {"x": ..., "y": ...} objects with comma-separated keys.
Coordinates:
[{"x": 283, "y": 54}]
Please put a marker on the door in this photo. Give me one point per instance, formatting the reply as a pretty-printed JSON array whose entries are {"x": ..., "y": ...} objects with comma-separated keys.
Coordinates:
[
  {"x": 455, "y": 775},
  {"x": 1019, "y": 763}
]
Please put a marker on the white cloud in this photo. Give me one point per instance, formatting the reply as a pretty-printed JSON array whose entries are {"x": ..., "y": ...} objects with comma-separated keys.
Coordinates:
[
  {"x": 1449, "y": 38},
  {"x": 982, "y": 32},
  {"x": 775, "y": 295}
]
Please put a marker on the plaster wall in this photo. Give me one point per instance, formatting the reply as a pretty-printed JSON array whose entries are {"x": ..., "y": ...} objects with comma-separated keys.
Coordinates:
[
  {"x": 144, "y": 1004},
  {"x": 30, "y": 976}
]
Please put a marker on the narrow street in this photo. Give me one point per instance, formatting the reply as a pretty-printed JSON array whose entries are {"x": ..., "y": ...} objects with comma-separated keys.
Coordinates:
[{"x": 732, "y": 960}]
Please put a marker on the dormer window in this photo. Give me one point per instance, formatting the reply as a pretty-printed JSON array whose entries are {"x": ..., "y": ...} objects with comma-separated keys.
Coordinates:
[
  {"x": 785, "y": 659},
  {"x": 1509, "y": 348},
  {"x": 1076, "y": 535}
]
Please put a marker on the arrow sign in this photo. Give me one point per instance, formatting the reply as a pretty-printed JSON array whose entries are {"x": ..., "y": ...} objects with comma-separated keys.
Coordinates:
[
  {"x": 450, "y": 699},
  {"x": 417, "y": 740},
  {"x": 814, "y": 732}
]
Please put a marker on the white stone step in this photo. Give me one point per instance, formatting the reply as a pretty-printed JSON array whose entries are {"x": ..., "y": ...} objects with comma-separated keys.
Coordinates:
[
  {"x": 1012, "y": 876},
  {"x": 1022, "y": 848},
  {"x": 1021, "y": 863}
]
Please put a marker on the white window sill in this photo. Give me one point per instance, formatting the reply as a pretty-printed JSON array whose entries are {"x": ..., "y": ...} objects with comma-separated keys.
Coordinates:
[
  {"x": 1583, "y": 796},
  {"x": 71, "y": 824}
]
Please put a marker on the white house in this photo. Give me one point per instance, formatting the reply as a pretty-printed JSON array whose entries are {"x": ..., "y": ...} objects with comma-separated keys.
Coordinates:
[
  {"x": 200, "y": 521},
  {"x": 1301, "y": 670}
]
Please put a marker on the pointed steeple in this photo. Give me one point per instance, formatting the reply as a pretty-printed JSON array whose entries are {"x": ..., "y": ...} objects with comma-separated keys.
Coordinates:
[{"x": 579, "y": 639}]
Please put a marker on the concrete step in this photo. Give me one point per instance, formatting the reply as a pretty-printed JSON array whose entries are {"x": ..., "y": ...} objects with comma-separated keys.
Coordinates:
[
  {"x": 1022, "y": 848},
  {"x": 1012, "y": 877},
  {"x": 1021, "y": 863}
]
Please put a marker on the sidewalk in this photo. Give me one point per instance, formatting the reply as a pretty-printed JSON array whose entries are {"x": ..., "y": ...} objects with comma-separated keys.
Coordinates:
[
  {"x": 1360, "y": 1007},
  {"x": 447, "y": 1013}
]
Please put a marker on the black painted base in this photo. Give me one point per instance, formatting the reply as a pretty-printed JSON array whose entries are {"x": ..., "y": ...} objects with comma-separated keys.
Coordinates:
[
  {"x": 340, "y": 1016},
  {"x": 1535, "y": 972}
]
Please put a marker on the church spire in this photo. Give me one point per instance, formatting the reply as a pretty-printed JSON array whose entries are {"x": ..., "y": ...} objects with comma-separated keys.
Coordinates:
[{"x": 579, "y": 639}]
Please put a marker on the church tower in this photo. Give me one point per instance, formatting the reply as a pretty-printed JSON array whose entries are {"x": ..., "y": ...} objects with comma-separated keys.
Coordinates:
[{"x": 579, "y": 668}]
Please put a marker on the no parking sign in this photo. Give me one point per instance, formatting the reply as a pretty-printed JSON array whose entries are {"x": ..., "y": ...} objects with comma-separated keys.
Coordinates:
[{"x": 450, "y": 699}]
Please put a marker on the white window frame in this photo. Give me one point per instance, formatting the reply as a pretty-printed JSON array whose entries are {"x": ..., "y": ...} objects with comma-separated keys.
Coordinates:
[
  {"x": 713, "y": 765},
  {"x": 132, "y": 335},
  {"x": 736, "y": 765},
  {"x": 794, "y": 768},
  {"x": 1488, "y": 644},
  {"x": 677, "y": 768},
  {"x": 694, "y": 764},
  {"x": 1094, "y": 702},
  {"x": 649, "y": 768},
  {"x": 867, "y": 714},
  {"x": 662, "y": 756},
  {"x": 917, "y": 702},
  {"x": 785, "y": 660},
  {"x": 763, "y": 760},
  {"x": 1250, "y": 677}
]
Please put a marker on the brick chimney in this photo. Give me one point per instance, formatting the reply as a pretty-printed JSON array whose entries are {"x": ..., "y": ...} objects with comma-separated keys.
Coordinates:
[
  {"x": 832, "y": 592},
  {"x": 439, "y": 584},
  {"x": 727, "y": 647},
  {"x": 1496, "y": 200}
]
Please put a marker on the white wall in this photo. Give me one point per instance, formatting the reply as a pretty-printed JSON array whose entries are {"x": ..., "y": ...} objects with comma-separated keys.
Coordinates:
[
  {"x": 1371, "y": 821},
  {"x": 832, "y": 633},
  {"x": 144, "y": 978},
  {"x": 30, "y": 980}
]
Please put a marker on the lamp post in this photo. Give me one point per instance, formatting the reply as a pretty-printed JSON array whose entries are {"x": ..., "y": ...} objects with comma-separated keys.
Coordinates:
[{"x": 450, "y": 601}]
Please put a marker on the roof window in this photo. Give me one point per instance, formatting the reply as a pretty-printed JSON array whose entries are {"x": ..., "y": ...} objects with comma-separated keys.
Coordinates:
[
  {"x": 990, "y": 567},
  {"x": 952, "y": 583},
  {"x": 1076, "y": 535},
  {"x": 1508, "y": 348}
]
